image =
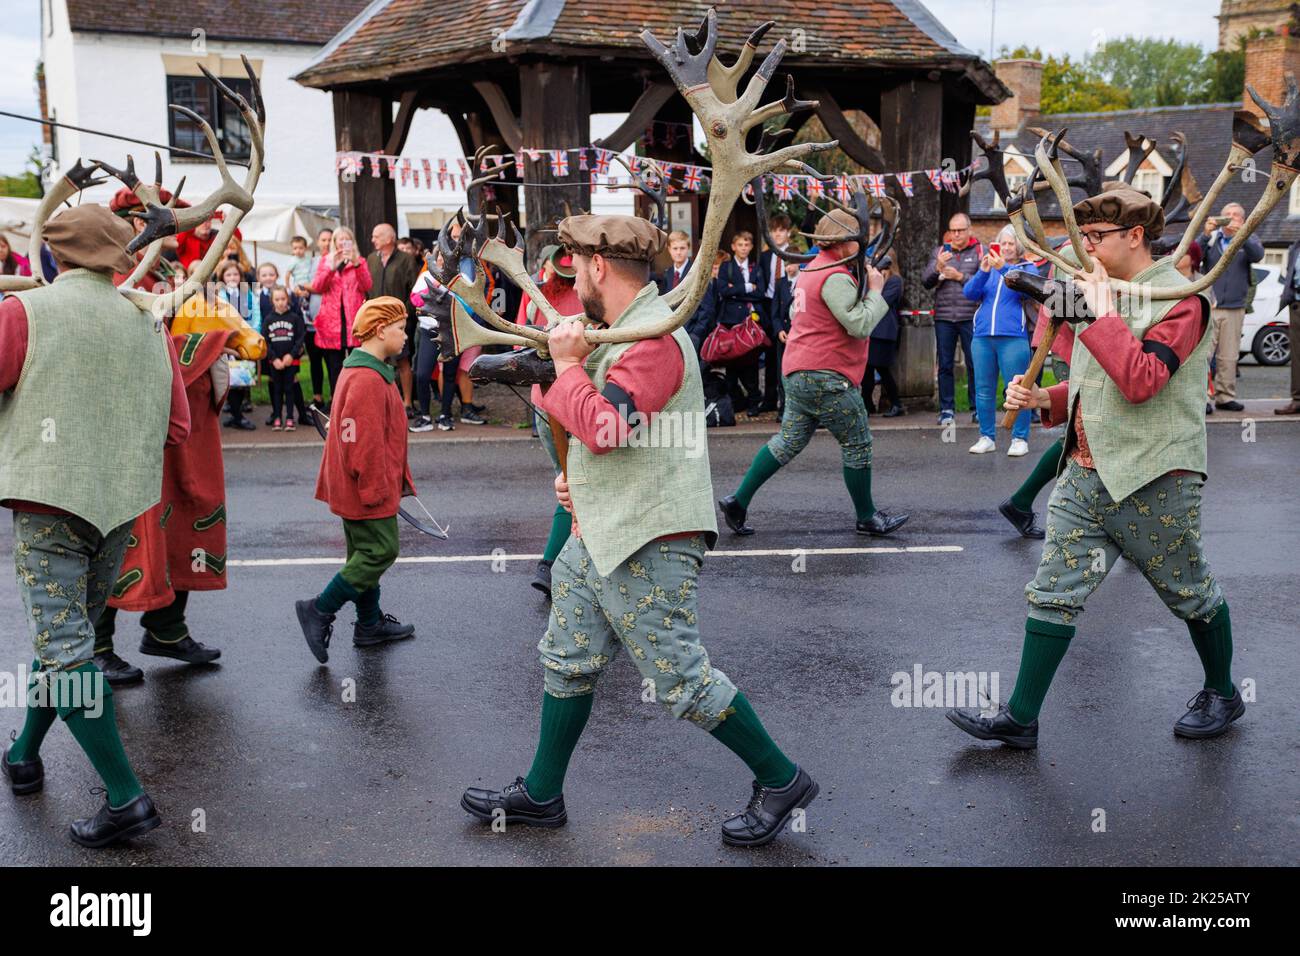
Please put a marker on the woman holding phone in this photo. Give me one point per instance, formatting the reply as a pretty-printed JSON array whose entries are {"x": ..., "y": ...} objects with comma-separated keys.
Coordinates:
[
  {"x": 1001, "y": 340},
  {"x": 342, "y": 279}
]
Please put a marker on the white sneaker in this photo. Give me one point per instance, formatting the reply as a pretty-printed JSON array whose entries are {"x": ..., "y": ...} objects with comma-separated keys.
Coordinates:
[
  {"x": 984, "y": 446},
  {"x": 1019, "y": 447}
]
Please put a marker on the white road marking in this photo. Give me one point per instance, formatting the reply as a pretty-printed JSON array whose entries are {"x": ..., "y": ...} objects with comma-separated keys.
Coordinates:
[{"x": 470, "y": 558}]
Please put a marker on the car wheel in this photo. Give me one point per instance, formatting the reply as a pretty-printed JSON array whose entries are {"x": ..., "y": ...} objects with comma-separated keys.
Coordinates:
[{"x": 1272, "y": 345}]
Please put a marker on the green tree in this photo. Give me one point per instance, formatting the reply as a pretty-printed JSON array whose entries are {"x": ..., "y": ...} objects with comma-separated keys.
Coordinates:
[
  {"x": 27, "y": 184},
  {"x": 1155, "y": 72},
  {"x": 1071, "y": 86}
]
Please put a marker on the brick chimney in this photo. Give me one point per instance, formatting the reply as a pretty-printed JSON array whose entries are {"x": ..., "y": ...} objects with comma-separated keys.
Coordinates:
[
  {"x": 1268, "y": 60},
  {"x": 1025, "y": 80}
]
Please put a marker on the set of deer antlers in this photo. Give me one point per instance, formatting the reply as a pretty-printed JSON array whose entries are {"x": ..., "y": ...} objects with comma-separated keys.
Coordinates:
[{"x": 163, "y": 220}]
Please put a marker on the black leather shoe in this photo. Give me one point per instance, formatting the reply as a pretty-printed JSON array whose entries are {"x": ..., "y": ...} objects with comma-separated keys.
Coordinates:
[
  {"x": 116, "y": 671},
  {"x": 1210, "y": 715},
  {"x": 110, "y": 825},
  {"x": 1022, "y": 521},
  {"x": 542, "y": 579},
  {"x": 28, "y": 776},
  {"x": 893, "y": 412},
  {"x": 1209, "y": 409},
  {"x": 882, "y": 524},
  {"x": 1001, "y": 726},
  {"x": 769, "y": 811},
  {"x": 734, "y": 515},
  {"x": 186, "y": 649},
  {"x": 317, "y": 628},
  {"x": 387, "y": 628},
  {"x": 1231, "y": 406},
  {"x": 519, "y": 807}
]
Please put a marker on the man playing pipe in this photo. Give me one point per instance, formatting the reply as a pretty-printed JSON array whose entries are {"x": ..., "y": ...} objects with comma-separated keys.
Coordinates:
[
  {"x": 825, "y": 356},
  {"x": 1131, "y": 473},
  {"x": 642, "y": 518}
]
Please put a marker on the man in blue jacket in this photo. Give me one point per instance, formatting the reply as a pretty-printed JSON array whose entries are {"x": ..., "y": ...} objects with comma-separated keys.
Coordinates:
[{"x": 1229, "y": 300}]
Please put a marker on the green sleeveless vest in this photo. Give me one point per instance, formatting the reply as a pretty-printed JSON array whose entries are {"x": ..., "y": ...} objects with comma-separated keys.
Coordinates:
[
  {"x": 84, "y": 428},
  {"x": 1133, "y": 445},
  {"x": 659, "y": 483}
]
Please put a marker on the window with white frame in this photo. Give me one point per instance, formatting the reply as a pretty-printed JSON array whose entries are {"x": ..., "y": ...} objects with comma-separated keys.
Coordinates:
[{"x": 1150, "y": 182}]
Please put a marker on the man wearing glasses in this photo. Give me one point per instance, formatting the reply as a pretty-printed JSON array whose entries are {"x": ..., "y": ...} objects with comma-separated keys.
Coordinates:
[
  {"x": 954, "y": 315},
  {"x": 1132, "y": 470},
  {"x": 1230, "y": 291}
]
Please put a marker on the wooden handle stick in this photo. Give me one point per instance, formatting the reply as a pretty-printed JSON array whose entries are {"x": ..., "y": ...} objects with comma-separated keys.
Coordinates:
[{"x": 1035, "y": 366}]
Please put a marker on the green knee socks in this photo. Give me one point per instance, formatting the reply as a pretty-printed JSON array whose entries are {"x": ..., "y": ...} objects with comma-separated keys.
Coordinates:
[
  {"x": 98, "y": 737},
  {"x": 563, "y": 719},
  {"x": 561, "y": 528},
  {"x": 337, "y": 593},
  {"x": 763, "y": 467},
  {"x": 1213, "y": 642},
  {"x": 744, "y": 735},
  {"x": 858, "y": 481},
  {"x": 1044, "y": 473},
  {"x": 27, "y": 745},
  {"x": 368, "y": 607},
  {"x": 1045, "y": 646}
]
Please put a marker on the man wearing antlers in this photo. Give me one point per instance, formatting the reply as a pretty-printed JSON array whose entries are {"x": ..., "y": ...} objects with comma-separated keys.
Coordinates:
[
  {"x": 825, "y": 356},
  {"x": 642, "y": 519},
  {"x": 1132, "y": 470}
]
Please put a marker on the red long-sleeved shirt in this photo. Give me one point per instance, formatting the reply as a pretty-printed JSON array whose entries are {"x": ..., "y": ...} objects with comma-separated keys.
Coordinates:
[
  {"x": 13, "y": 353},
  {"x": 649, "y": 374},
  {"x": 1139, "y": 373}
]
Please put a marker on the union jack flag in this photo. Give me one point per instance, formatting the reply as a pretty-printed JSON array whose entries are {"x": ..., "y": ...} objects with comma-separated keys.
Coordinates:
[
  {"x": 392, "y": 166},
  {"x": 519, "y": 165},
  {"x": 905, "y": 180},
  {"x": 876, "y": 184},
  {"x": 559, "y": 162},
  {"x": 815, "y": 187},
  {"x": 691, "y": 179},
  {"x": 428, "y": 173},
  {"x": 442, "y": 174},
  {"x": 582, "y": 160},
  {"x": 842, "y": 187},
  {"x": 374, "y": 165},
  {"x": 936, "y": 177},
  {"x": 602, "y": 161},
  {"x": 950, "y": 181},
  {"x": 785, "y": 186}
]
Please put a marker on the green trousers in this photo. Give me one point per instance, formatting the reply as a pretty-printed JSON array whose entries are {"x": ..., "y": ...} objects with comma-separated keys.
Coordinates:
[{"x": 372, "y": 549}]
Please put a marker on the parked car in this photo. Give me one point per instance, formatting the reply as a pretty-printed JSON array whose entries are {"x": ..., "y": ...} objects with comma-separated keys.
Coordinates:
[{"x": 1265, "y": 334}]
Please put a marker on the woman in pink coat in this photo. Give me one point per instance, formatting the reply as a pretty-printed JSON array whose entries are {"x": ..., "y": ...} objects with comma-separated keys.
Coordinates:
[
  {"x": 342, "y": 281},
  {"x": 11, "y": 263}
]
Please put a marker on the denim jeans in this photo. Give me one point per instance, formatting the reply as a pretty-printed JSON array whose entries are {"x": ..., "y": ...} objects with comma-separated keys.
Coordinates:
[
  {"x": 993, "y": 353},
  {"x": 946, "y": 335}
]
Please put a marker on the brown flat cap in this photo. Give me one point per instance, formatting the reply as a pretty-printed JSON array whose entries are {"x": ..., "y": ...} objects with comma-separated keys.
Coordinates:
[
  {"x": 90, "y": 237},
  {"x": 614, "y": 237},
  {"x": 836, "y": 226},
  {"x": 1122, "y": 205},
  {"x": 375, "y": 314}
]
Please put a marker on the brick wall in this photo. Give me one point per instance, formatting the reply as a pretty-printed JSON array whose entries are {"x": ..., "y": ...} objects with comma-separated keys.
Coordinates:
[{"x": 1268, "y": 60}]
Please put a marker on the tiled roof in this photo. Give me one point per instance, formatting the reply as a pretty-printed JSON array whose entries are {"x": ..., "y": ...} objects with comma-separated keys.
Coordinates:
[
  {"x": 312, "y": 22},
  {"x": 403, "y": 36},
  {"x": 1208, "y": 128}
]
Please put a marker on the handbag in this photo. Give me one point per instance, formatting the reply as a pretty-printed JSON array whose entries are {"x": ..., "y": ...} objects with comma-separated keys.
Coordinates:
[{"x": 726, "y": 344}]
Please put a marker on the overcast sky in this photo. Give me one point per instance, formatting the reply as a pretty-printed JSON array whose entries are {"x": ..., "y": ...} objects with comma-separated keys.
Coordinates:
[{"x": 1057, "y": 26}]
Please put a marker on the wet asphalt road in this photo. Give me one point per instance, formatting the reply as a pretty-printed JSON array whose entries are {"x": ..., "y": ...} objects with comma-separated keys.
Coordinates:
[{"x": 284, "y": 772}]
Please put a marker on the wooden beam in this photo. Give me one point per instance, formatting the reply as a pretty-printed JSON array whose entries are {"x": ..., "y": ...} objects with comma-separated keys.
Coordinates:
[
  {"x": 361, "y": 123},
  {"x": 647, "y": 106},
  {"x": 556, "y": 112},
  {"x": 837, "y": 124},
  {"x": 461, "y": 125},
  {"x": 499, "y": 105},
  {"x": 402, "y": 124}
]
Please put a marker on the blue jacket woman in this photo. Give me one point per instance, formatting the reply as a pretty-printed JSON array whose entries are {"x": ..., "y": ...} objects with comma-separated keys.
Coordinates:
[{"x": 1000, "y": 345}]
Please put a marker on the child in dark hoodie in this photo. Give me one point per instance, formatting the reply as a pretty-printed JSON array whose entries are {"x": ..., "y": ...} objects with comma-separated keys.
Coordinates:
[{"x": 285, "y": 331}]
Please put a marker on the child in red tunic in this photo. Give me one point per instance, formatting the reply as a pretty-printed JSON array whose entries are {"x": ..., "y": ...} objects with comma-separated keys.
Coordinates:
[{"x": 363, "y": 476}]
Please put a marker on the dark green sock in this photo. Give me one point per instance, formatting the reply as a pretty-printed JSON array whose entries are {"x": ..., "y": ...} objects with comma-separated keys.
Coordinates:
[
  {"x": 337, "y": 593},
  {"x": 1044, "y": 473},
  {"x": 368, "y": 607},
  {"x": 744, "y": 735},
  {"x": 105, "y": 628},
  {"x": 1213, "y": 642},
  {"x": 27, "y": 745},
  {"x": 858, "y": 481},
  {"x": 98, "y": 737},
  {"x": 1045, "y": 646},
  {"x": 763, "y": 467},
  {"x": 561, "y": 528},
  {"x": 167, "y": 624},
  {"x": 562, "y": 721}
]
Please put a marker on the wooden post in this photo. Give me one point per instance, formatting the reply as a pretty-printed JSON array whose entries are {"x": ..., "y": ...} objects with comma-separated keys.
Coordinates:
[
  {"x": 364, "y": 123},
  {"x": 911, "y": 145},
  {"x": 555, "y": 101}
]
